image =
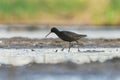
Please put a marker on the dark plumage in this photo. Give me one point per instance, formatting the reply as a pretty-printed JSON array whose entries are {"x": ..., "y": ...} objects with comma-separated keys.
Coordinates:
[{"x": 67, "y": 36}]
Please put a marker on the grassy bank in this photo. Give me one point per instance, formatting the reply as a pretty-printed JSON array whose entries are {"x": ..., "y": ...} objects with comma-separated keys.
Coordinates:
[{"x": 83, "y": 12}]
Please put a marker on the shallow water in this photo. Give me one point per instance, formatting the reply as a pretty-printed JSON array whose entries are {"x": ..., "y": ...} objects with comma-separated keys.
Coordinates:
[
  {"x": 91, "y": 31},
  {"x": 21, "y": 57},
  {"x": 69, "y": 71},
  {"x": 31, "y": 74},
  {"x": 47, "y": 64}
]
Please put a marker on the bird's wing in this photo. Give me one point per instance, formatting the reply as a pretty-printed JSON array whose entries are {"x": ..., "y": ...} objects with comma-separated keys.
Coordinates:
[{"x": 72, "y": 34}]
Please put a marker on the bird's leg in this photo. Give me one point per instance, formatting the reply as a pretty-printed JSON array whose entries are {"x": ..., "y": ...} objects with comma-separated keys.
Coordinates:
[
  {"x": 56, "y": 51},
  {"x": 78, "y": 46},
  {"x": 62, "y": 48},
  {"x": 69, "y": 46}
]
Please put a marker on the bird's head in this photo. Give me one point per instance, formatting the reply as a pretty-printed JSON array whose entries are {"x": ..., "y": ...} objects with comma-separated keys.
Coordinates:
[{"x": 53, "y": 30}]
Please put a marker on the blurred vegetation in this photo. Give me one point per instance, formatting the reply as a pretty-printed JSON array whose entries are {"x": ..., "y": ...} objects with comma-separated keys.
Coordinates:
[
  {"x": 115, "y": 5},
  {"x": 112, "y": 12},
  {"x": 104, "y": 12},
  {"x": 19, "y": 7}
]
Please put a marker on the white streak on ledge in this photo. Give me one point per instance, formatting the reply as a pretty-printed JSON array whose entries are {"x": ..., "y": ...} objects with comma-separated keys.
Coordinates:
[{"x": 20, "y": 57}]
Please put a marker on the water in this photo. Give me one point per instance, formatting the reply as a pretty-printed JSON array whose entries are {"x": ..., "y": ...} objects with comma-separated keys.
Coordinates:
[
  {"x": 46, "y": 64},
  {"x": 61, "y": 72},
  {"x": 91, "y": 31},
  {"x": 21, "y": 57}
]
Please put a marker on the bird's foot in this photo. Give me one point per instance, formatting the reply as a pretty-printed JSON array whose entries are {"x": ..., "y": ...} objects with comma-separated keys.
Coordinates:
[
  {"x": 56, "y": 50},
  {"x": 68, "y": 50},
  {"x": 78, "y": 50},
  {"x": 32, "y": 50},
  {"x": 62, "y": 49}
]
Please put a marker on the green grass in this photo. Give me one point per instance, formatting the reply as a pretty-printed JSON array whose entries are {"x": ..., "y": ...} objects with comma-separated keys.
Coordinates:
[
  {"x": 57, "y": 9},
  {"x": 115, "y": 5},
  {"x": 16, "y": 7},
  {"x": 111, "y": 10},
  {"x": 19, "y": 7}
]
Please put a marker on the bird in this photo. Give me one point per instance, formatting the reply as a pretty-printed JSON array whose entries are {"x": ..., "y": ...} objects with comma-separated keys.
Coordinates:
[{"x": 67, "y": 36}]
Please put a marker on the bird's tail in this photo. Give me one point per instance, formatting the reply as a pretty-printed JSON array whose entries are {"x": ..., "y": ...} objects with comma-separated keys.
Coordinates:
[{"x": 83, "y": 35}]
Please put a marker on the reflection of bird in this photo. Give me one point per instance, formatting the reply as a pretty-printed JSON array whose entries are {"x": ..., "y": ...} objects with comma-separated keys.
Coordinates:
[{"x": 67, "y": 36}]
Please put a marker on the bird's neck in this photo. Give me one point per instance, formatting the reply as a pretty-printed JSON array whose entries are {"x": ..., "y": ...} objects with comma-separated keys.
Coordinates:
[{"x": 57, "y": 32}]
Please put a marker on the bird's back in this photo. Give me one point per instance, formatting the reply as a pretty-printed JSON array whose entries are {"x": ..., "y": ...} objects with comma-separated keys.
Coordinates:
[{"x": 70, "y": 36}]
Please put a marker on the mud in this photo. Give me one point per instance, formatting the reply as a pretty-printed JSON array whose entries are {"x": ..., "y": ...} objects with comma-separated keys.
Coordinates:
[{"x": 20, "y": 42}]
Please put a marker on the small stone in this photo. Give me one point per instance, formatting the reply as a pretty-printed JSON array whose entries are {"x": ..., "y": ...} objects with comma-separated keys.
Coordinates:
[
  {"x": 32, "y": 50},
  {"x": 56, "y": 51}
]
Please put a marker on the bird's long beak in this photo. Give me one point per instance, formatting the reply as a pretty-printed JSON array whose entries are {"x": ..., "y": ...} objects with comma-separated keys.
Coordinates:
[{"x": 47, "y": 34}]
